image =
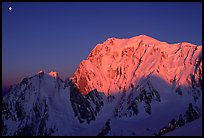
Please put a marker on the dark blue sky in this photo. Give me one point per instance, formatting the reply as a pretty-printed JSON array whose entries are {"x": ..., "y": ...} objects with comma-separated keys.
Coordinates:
[{"x": 58, "y": 36}]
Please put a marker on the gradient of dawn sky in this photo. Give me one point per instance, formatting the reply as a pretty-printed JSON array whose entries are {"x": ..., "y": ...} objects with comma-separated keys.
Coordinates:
[{"x": 58, "y": 36}]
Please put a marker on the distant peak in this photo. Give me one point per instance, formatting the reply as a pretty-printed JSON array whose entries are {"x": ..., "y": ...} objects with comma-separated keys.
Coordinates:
[
  {"x": 53, "y": 74},
  {"x": 41, "y": 72}
]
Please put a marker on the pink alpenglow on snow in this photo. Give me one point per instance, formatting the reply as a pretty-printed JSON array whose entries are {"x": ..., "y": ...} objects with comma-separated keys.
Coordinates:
[
  {"x": 119, "y": 64},
  {"x": 53, "y": 74}
]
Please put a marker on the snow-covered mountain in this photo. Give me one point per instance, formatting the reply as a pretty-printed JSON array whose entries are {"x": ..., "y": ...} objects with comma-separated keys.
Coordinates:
[
  {"x": 120, "y": 64},
  {"x": 43, "y": 105},
  {"x": 136, "y": 86}
]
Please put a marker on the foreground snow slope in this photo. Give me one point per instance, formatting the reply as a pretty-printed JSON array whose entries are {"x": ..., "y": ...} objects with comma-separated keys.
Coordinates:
[{"x": 192, "y": 129}]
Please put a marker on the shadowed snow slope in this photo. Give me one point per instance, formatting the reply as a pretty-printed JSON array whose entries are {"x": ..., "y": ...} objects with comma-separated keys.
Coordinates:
[{"x": 192, "y": 129}]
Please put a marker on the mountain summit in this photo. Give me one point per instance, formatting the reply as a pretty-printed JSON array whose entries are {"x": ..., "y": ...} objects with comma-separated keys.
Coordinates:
[
  {"x": 118, "y": 64},
  {"x": 53, "y": 74}
]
